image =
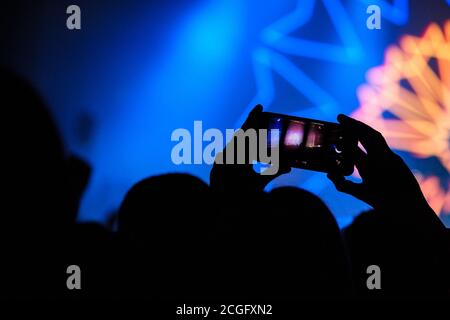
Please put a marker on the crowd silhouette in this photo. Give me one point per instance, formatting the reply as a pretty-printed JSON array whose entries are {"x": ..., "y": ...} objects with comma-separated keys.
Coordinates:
[{"x": 180, "y": 238}]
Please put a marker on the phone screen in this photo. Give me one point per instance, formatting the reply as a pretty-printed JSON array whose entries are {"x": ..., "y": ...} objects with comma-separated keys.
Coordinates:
[{"x": 310, "y": 144}]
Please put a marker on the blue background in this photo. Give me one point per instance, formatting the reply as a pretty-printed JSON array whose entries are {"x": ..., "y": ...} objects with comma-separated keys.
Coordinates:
[{"x": 137, "y": 70}]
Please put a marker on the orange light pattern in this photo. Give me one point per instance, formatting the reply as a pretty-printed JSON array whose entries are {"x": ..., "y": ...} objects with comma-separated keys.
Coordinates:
[
  {"x": 408, "y": 100},
  {"x": 437, "y": 198}
]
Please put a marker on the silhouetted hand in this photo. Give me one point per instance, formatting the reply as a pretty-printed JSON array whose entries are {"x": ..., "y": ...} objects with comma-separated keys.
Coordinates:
[
  {"x": 242, "y": 177},
  {"x": 387, "y": 182},
  {"x": 404, "y": 227}
]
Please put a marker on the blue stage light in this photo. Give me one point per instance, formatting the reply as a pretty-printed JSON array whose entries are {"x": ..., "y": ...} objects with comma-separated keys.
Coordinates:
[{"x": 210, "y": 34}]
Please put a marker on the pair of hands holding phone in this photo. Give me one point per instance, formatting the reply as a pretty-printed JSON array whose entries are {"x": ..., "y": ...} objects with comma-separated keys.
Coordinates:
[{"x": 386, "y": 180}]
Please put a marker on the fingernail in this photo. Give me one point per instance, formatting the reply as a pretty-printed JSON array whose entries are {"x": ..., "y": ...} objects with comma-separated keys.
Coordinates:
[{"x": 343, "y": 118}]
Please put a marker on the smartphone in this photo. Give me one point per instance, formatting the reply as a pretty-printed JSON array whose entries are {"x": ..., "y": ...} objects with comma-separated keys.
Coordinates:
[{"x": 310, "y": 144}]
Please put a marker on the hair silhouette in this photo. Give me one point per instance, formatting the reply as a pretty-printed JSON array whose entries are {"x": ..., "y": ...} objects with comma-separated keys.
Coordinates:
[{"x": 164, "y": 219}]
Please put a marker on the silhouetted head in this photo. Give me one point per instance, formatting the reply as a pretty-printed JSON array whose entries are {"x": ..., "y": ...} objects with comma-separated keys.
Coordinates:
[
  {"x": 411, "y": 260},
  {"x": 32, "y": 157},
  {"x": 164, "y": 221},
  {"x": 163, "y": 208},
  {"x": 35, "y": 192},
  {"x": 282, "y": 244},
  {"x": 304, "y": 207},
  {"x": 307, "y": 245}
]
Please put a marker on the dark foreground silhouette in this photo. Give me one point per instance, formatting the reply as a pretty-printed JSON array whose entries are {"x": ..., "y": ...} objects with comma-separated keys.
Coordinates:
[{"x": 179, "y": 238}]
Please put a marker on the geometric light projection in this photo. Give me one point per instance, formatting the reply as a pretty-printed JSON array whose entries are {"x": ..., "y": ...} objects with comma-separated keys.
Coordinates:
[
  {"x": 281, "y": 57},
  {"x": 408, "y": 100},
  {"x": 396, "y": 11},
  {"x": 285, "y": 40},
  {"x": 279, "y": 46},
  {"x": 438, "y": 198}
]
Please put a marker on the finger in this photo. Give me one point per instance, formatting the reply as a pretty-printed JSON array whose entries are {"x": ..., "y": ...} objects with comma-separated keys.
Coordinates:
[
  {"x": 359, "y": 154},
  {"x": 371, "y": 139},
  {"x": 346, "y": 186},
  {"x": 360, "y": 158},
  {"x": 283, "y": 170},
  {"x": 253, "y": 116}
]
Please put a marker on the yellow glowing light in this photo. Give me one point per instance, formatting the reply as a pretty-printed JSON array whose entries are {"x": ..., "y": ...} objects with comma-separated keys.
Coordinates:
[{"x": 416, "y": 96}]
